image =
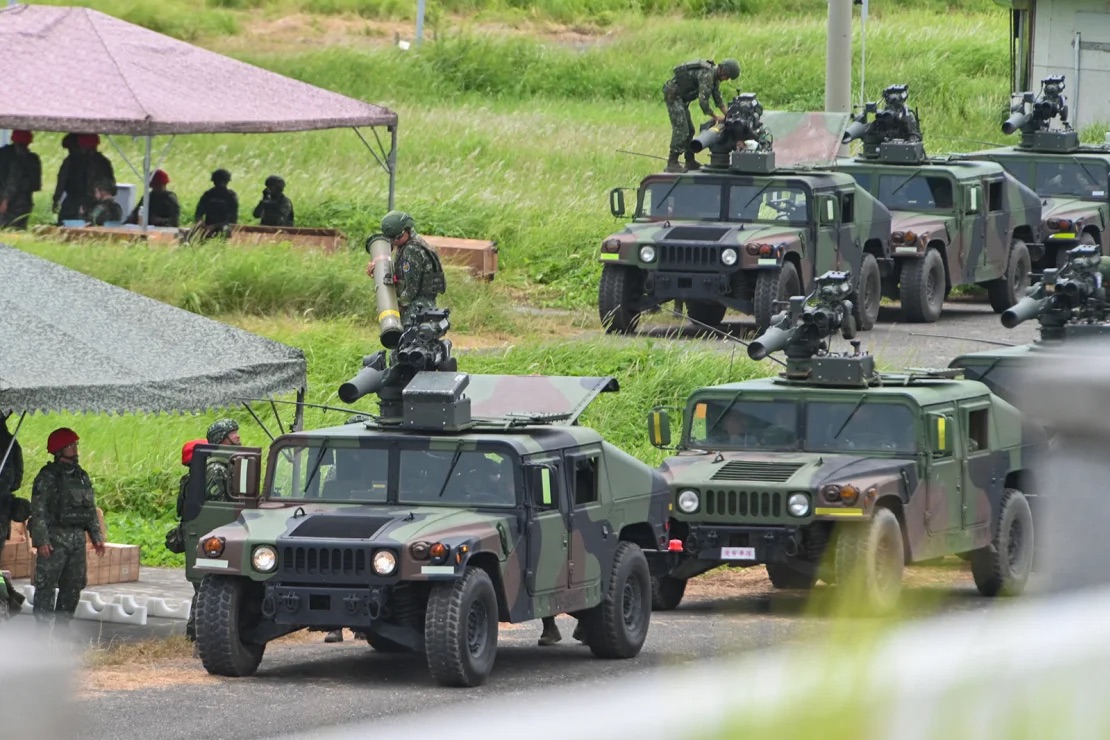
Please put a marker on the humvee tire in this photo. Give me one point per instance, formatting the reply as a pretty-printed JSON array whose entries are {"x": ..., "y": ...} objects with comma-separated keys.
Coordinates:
[
  {"x": 706, "y": 312},
  {"x": 771, "y": 286},
  {"x": 224, "y": 604},
  {"x": 869, "y": 293},
  {"x": 869, "y": 562},
  {"x": 783, "y": 576},
  {"x": 1002, "y": 568},
  {"x": 921, "y": 287},
  {"x": 460, "y": 629},
  {"x": 1010, "y": 288},
  {"x": 618, "y": 626},
  {"x": 667, "y": 592},
  {"x": 384, "y": 644},
  {"x": 618, "y": 298}
]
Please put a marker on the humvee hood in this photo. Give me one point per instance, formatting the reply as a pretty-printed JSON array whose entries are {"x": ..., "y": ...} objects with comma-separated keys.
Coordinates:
[
  {"x": 717, "y": 233},
  {"x": 931, "y": 223},
  {"x": 1069, "y": 208},
  {"x": 802, "y": 469}
]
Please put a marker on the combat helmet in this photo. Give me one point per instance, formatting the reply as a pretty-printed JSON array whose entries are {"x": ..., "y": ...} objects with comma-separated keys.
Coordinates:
[
  {"x": 396, "y": 223},
  {"x": 274, "y": 182},
  {"x": 220, "y": 429},
  {"x": 731, "y": 68},
  {"x": 221, "y": 176}
]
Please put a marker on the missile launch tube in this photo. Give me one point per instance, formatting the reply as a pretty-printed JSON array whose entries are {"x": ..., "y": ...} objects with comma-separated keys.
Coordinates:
[{"x": 389, "y": 313}]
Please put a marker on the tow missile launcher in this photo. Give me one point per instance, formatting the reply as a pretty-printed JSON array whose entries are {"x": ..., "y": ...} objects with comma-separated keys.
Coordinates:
[
  {"x": 893, "y": 134},
  {"x": 739, "y": 142},
  {"x": 1067, "y": 302},
  {"x": 1033, "y": 118}
]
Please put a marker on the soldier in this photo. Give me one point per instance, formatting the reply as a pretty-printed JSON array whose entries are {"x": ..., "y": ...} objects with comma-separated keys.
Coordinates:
[
  {"x": 417, "y": 272},
  {"x": 63, "y": 508},
  {"x": 275, "y": 209},
  {"x": 11, "y": 478},
  {"x": 218, "y": 207},
  {"x": 179, "y": 531},
  {"x": 164, "y": 208},
  {"x": 698, "y": 80},
  {"x": 216, "y": 473},
  {"x": 105, "y": 209},
  {"x": 20, "y": 178},
  {"x": 80, "y": 172}
]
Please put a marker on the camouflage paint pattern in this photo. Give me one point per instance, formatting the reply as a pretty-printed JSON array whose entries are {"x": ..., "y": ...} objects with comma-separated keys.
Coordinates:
[
  {"x": 975, "y": 246},
  {"x": 945, "y": 503}
]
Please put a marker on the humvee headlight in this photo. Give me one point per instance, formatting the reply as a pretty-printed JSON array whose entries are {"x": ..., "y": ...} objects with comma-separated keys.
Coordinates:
[
  {"x": 385, "y": 562},
  {"x": 264, "y": 558},
  {"x": 798, "y": 504},
  {"x": 688, "y": 501},
  {"x": 831, "y": 493},
  {"x": 728, "y": 256},
  {"x": 213, "y": 547},
  {"x": 647, "y": 254},
  {"x": 909, "y": 237}
]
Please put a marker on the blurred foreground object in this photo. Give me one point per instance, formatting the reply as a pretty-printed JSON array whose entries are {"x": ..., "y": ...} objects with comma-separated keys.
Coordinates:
[{"x": 36, "y": 684}]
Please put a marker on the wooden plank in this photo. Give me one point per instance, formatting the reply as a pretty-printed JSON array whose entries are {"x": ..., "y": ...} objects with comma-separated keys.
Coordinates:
[
  {"x": 108, "y": 233},
  {"x": 328, "y": 240}
]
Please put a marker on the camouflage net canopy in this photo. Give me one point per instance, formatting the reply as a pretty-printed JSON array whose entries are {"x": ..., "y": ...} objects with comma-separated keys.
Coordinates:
[{"x": 73, "y": 343}]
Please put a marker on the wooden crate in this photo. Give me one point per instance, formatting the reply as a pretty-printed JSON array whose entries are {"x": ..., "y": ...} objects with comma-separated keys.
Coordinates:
[
  {"x": 155, "y": 235},
  {"x": 479, "y": 255},
  {"x": 328, "y": 240},
  {"x": 17, "y": 559}
]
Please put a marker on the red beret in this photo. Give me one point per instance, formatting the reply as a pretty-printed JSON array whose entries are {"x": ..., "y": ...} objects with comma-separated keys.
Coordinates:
[
  {"x": 88, "y": 141},
  {"x": 22, "y": 137},
  {"x": 159, "y": 178}
]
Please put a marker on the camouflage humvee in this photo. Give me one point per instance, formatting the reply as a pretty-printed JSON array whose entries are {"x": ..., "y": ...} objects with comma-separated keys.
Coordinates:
[
  {"x": 832, "y": 471},
  {"x": 955, "y": 222},
  {"x": 1072, "y": 179},
  {"x": 753, "y": 227},
  {"x": 484, "y": 503}
]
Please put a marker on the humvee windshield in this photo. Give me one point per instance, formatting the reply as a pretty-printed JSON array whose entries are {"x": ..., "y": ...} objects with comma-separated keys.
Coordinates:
[
  {"x": 324, "y": 472},
  {"x": 813, "y": 426},
  {"x": 702, "y": 201},
  {"x": 915, "y": 191},
  {"x": 1075, "y": 178}
]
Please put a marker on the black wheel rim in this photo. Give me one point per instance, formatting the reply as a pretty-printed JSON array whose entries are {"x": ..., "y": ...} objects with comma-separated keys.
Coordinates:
[
  {"x": 931, "y": 290},
  {"x": 1015, "y": 545},
  {"x": 886, "y": 567},
  {"x": 631, "y": 604},
  {"x": 477, "y": 628},
  {"x": 870, "y": 295}
]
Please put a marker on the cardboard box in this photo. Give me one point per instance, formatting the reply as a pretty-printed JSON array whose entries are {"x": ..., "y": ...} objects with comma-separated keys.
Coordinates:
[
  {"x": 118, "y": 564},
  {"x": 18, "y": 534},
  {"x": 17, "y": 559},
  {"x": 478, "y": 255}
]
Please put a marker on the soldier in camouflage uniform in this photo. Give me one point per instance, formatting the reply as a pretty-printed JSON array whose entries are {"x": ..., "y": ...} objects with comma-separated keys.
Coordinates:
[
  {"x": 698, "y": 80},
  {"x": 275, "y": 209},
  {"x": 11, "y": 478},
  {"x": 218, "y": 206},
  {"x": 20, "y": 178},
  {"x": 63, "y": 507},
  {"x": 417, "y": 272},
  {"x": 105, "y": 209}
]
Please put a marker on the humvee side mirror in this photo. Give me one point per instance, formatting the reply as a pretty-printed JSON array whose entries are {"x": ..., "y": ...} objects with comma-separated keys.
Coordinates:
[
  {"x": 940, "y": 435},
  {"x": 659, "y": 428},
  {"x": 541, "y": 486},
  {"x": 244, "y": 468},
  {"x": 616, "y": 202}
]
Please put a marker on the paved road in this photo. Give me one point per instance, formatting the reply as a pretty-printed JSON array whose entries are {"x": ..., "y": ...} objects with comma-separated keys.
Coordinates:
[{"x": 308, "y": 686}]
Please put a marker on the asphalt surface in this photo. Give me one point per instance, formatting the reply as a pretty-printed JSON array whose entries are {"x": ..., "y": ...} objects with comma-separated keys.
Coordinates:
[{"x": 308, "y": 686}]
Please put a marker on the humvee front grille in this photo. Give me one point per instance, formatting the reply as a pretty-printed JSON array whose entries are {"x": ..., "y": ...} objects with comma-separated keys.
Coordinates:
[
  {"x": 682, "y": 258},
  {"x": 767, "y": 472},
  {"x": 743, "y": 503},
  {"x": 324, "y": 561}
]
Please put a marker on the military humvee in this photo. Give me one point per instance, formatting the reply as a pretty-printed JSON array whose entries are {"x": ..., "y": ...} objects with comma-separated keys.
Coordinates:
[
  {"x": 833, "y": 471},
  {"x": 482, "y": 502},
  {"x": 955, "y": 222},
  {"x": 753, "y": 227},
  {"x": 1072, "y": 179}
]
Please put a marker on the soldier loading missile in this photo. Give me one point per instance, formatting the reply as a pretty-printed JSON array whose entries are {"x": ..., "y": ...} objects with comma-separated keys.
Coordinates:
[
  {"x": 1031, "y": 116},
  {"x": 742, "y": 126},
  {"x": 895, "y": 122}
]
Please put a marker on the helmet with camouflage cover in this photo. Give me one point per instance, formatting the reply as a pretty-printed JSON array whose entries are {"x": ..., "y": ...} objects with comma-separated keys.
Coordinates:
[
  {"x": 220, "y": 429},
  {"x": 731, "y": 68},
  {"x": 396, "y": 223}
]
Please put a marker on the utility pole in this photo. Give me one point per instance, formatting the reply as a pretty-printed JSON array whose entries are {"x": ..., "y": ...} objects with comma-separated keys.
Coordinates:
[
  {"x": 838, "y": 60},
  {"x": 420, "y": 20}
]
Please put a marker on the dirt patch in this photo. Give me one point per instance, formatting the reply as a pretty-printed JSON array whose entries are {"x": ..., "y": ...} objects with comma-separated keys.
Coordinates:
[{"x": 160, "y": 675}]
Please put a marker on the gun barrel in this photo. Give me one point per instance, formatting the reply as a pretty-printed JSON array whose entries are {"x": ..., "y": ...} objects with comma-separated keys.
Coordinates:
[
  {"x": 368, "y": 380},
  {"x": 772, "y": 340},
  {"x": 708, "y": 138},
  {"x": 854, "y": 131},
  {"x": 389, "y": 313},
  {"x": 1015, "y": 122},
  {"x": 1025, "y": 309}
]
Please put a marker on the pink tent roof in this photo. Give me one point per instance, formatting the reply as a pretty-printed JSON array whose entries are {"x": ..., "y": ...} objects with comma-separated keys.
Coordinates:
[{"x": 83, "y": 71}]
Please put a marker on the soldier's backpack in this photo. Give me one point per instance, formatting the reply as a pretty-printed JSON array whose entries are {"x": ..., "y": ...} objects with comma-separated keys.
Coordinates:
[
  {"x": 687, "y": 73},
  {"x": 175, "y": 538}
]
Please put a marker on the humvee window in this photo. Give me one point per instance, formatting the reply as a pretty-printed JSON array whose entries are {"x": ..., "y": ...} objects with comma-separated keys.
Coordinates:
[
  {"x": 913, "y": 193},
  {"x": 323, "y": 473},
  {"x": 746, "y": 424},
  {"x": 684, "y": 201},
  {"x": 759, "y": 202},
  {"x": 977, "y": 424},
  {"x": 1071, "y": 178},
  {"x": 838, "y": 426},
  {"x": 994, "y": 196},
  {"x": 585, "y": 480},
  {"x": 456, "y": 478}
]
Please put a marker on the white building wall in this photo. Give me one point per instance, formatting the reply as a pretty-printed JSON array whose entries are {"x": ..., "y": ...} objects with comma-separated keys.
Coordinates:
[{"x": 1058, "y": 25}]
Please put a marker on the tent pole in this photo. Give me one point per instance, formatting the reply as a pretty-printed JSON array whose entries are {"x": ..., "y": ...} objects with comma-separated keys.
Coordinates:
[
  {"x": 144, "y": 216},
  {"x": 298, "y": 415},
  {"x": 11, "y": 444},
  {"x": 392, "y": 164}
]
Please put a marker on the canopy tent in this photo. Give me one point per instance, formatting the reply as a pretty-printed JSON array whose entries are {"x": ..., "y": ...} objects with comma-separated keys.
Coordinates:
[
  {"x": 69, "y": 342},
  {"x": 82, "y": 71}
]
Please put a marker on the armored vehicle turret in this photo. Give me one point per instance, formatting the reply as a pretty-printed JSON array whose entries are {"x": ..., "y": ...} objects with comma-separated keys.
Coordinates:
[
  {"x": 954, "y": 223},
  {"x": 756, "y": 225},
  {"x": 835, "y": 471}
]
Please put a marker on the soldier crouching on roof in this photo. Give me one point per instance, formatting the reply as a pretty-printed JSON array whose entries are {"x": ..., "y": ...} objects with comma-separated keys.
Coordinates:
[{"x": 63, "y": 507}]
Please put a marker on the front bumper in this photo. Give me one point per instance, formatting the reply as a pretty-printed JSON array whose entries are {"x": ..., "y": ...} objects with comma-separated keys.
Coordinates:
[
  {"x": 713, "y": 287},
  {"x": 325, "y": 606},
  {"x": 743, "y": 545}
]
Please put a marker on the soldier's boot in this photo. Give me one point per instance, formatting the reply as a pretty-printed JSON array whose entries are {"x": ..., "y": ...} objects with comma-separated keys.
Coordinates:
[
  {"x": 551, "y": 634},
  {"x": 673, "y": 165},
  {"x": 334, "y": 636},
  {"x": 691, "y": 163}
]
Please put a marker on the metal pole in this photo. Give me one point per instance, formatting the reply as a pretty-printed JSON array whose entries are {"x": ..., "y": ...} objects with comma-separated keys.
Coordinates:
[
  {"x": 298, "y": 415},
  {"x": 1074, "y": 112},
  {"x": 11, "y": 444},
  {"x": 838, "y": 60},
  {"x": 144, "y": 214},
  {"x": 420, "y": 20},
  {"x": 392, "y": 164}
]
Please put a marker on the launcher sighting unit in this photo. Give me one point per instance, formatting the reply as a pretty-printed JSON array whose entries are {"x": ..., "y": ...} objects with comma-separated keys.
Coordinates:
[
  {"x": 892, "y": 134},
  {"x": 1033, "y": 118},
  {"x": 740, "y": 141}
]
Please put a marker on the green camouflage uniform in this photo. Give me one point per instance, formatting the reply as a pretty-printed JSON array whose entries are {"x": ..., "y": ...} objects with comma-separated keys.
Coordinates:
[
  {"x": 20, "y": 178},
  {"x": 104, "y": 211},
  {"x": 63, "y": 509},
  {"x": 217, "y": 477},
  {"x": 165, "y": 210},
  {"x": 418, "y": 278},
  {"x": 11, "y": 478},
  {"x": 692, "y": 81},
  {"x": 274, "y": 210},
  {"x": 78, "y": 175}
]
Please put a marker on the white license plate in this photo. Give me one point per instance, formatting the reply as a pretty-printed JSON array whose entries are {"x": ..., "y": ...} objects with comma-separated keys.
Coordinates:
[{"x": 737, "y": 553}]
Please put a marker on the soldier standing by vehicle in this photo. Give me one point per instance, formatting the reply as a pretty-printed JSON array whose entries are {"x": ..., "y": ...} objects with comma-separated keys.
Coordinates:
[
  {"x": 698, "y": 80},
  {"x": 275, "y": 209},
  {"x": 63, "y": 510},
  {"x": 217, "y": 475},
  {"x": 417, "y": 272},
  {"x": 218, "y": 207},
  {"x": 20, "y": 178}
]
